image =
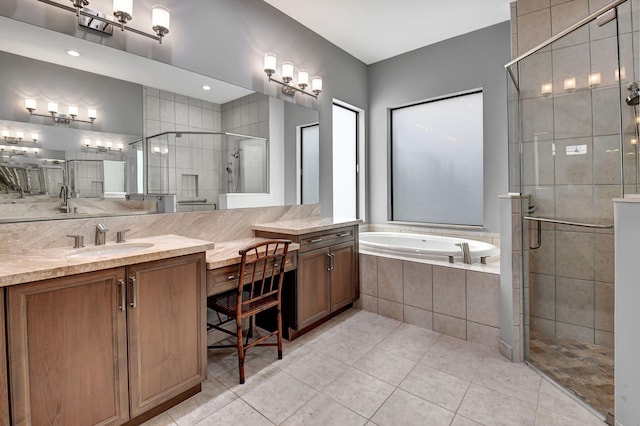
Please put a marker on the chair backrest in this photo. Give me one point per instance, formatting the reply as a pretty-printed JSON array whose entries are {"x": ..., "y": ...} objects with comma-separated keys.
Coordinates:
[{"x": 262, "y": 271}]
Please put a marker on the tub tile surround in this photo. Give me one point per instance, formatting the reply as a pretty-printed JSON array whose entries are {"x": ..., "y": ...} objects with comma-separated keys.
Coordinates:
[
  {"x": 458, "y": 302},
  {"x": 217, "y": 225}
]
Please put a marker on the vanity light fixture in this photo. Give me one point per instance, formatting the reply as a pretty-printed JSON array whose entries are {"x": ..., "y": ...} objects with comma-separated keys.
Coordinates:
[
  {"x": 570, "y": 84},
  {"x": 288, "y": 88},
  {"x": 17, "y": 137},
  {"x": 123, "y": 13},
  {"x": 10, "y": 151},
  {"x": 56, "y": 116},
  {"x": 546, "y": 89},
  {"x": 99, "y": 146}
]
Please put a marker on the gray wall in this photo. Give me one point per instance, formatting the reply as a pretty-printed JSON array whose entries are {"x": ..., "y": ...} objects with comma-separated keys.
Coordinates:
[
  {"x": 466, "y": 62},
  {"x": 227, "y": 39}
]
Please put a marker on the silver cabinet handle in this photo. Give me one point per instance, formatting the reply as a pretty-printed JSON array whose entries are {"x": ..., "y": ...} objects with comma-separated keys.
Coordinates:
[
  {"x": 316, "y": 240},
  {"x": 134, "y": 296},
  {"x": 344, "y": 234},
  {"x": 123, "y": 295},
  {"x": 329, "y": 256},
  {"x": 333, "y": 261}
]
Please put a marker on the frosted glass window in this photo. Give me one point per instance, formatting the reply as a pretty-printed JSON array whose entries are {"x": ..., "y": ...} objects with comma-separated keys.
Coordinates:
[
  {"x": 437, "y": 161},
  {"x": 345, "y": 154}
]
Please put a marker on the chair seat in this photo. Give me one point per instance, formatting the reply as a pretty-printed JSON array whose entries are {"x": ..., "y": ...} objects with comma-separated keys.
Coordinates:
[{"x": 227, "y": 303}]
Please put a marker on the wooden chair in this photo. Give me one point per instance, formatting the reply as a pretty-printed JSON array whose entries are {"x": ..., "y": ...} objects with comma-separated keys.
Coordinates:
[{"x": 259, "y": 288}]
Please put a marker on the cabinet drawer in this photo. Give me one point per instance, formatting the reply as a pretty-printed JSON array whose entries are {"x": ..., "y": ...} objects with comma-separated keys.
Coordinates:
[
  {"x": 223, "y": 279},
  {"x": 321, "y": 239}
]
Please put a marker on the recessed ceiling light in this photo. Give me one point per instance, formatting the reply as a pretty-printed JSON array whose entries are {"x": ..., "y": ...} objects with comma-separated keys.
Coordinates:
[
  {"x": 206, "y": 87},
  {"x": 73, "y": 53}
]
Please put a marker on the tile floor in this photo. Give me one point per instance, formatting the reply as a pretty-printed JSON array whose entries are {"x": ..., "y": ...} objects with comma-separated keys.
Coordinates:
[{"x": 364, "y": 369}]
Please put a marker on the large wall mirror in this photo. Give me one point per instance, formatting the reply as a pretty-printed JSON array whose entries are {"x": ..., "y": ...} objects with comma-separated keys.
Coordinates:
[{"x": 154, "y": 140}]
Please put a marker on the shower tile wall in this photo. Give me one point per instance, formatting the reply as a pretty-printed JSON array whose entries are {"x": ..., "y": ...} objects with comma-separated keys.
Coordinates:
[
  {"x": 194, "y": 156},
  {"x": 571, "y": 159}
]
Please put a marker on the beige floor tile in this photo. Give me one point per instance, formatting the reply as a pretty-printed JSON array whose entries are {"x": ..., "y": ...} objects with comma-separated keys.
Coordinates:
[
  {"x": 359, "y": 392},
  {"x": 316, "y": 369},
  {"x": 279, "y": 397},
  {"x": 322, "y": 411},
  {"x": 489, "y": 407},
  {"x": 511, "y": 379},
  {"x": 257, "y": 370},
  {"x": 549, "y": 418},
  {"x": 556, "y": 401},
  {"x": 163, "y": 419},
  {"x": 344, "y": 346},
  {"x": 409, "y": 341},
  {"x": 463, "y": 421},
  {"x": 435, "y": 386},
  {"x": 456, "y": 357},
  {"x": 236, "y": 413},
  {"x": 386, "y": 366},
  {"x": 213, "y": 397},
  {"x": 402, "y": 408}
]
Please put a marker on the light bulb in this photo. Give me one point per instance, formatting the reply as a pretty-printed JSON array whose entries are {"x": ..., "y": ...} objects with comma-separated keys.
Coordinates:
[{"x": 269, "y": 63}]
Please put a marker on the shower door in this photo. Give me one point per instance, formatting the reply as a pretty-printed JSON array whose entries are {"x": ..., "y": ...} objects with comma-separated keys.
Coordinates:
[{"x": 573, "y": 148}]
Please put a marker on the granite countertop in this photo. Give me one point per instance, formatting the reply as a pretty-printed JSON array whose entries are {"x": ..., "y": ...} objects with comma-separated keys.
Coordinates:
[
  {"x": 305, "y": 226},
  {"x": 61, "y": 261},
  {"x": 226, "y": 253}
]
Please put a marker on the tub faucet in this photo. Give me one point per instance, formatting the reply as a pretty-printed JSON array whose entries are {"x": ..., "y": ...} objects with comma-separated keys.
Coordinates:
[
  {"x": 101, "y": 234},
  {"x": 466, "y": 254}
]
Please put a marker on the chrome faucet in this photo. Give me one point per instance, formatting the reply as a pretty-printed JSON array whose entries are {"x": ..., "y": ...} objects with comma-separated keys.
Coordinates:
[
  {"x": 101, "y": 234},
  {"x": 64, "y": 194},
  {"x": 466, "y": 254}
]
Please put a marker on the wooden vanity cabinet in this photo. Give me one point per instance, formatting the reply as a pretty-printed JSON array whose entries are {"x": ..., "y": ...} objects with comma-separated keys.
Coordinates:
[
  {"x": 4, "y": 381},
  {"x": 326, "y": 277},
  {"x": 103, "y": 347}
]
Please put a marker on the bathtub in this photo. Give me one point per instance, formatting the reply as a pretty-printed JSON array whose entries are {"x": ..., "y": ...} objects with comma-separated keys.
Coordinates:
[{"x": 420, "y": 246}]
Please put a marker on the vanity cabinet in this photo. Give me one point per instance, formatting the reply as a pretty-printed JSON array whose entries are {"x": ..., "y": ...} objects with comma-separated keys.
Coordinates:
[
  {"x": 326, "y": 276},
  {"x": 4, "y": 390},
  {"x": 105, "y": 347}
]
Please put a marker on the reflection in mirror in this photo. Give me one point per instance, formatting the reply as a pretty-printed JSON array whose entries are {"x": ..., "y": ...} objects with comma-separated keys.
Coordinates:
[{"x": 70, "y": 170}]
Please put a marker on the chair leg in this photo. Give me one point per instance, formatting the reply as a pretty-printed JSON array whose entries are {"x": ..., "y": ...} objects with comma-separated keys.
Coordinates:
[
  {"x": 279, "y": 319},
  {"x": 241, "y": 351}
]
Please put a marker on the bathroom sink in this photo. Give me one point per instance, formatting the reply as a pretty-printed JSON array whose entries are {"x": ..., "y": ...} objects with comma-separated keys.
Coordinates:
[{"x": 108, "y": 250}]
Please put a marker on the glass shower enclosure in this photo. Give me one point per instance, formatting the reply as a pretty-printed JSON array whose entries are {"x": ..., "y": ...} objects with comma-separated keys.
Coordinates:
[{"x": 573, "y": 147}]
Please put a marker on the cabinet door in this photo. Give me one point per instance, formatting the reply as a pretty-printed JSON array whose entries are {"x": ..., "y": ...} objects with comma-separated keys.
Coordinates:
[
  {"x": 343, "y": 275},
  {"x": 312, "y": 287},
  {"x": 166, "y": 329},
  {"x": 4, "y": 393},
  {"x": 67, "y": 350}
]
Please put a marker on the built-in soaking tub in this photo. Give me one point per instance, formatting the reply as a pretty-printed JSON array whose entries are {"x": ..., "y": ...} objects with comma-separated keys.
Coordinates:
[{"x": 420, "y": 246}]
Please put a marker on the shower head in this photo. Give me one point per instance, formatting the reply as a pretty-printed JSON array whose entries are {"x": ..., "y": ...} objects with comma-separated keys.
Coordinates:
[
  {"x": 634, "y": 97},
  {"x": 236, "y": 153}
]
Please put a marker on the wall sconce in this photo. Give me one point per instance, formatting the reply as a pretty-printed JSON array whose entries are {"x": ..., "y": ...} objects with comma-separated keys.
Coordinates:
[
  {"x": 546, "y": 89},
  {"x": 19, "y": 136},
  {"x": 103, "y": 147},
  {"x": 158, "y": 150},
  {"x": 595, "y": 79},
  {"x": 287, "y": 78},
  {"x": 123, "y": 12},
  {"x": 57, "y": 117},
  {"x": 11, "y": 151},
  {"x": 570, "y": 84}
]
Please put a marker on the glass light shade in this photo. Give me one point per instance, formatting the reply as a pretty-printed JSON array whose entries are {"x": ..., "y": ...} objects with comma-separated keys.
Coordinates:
[
  {"x": 270, "y": 62},
  {"x": 569, "y": 83},
  {"x": 316, "y": 84},
  {"x": 546, "y": 89},
  {"x": 19, "y": 135},
  {"x": 620, "y": 74},
  {"x": 35, "y": 136},
  {"x": 594, "y": 79},
  {"x": 52, "y": 107},
  {"x": 156, "y": 149},
  {"x": 87, "y": 142},
  {"x": 123, "y": 6},
  {"x": 303, "y": 78},
  {"x": 287, "y": 70},
  {"x": 98, "y": 143},
  {"x": 30, "y": 104},
  {"x": 109, "y": 145},
  {"x": 5, "y": 133},
  {"x": 73, "y": 110},
  {"x": 120, "y": 146},
  {"x": 36, "y": 150},
  {"x": 92, "y": 113},
  {"x": 160, "y": 17}
]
